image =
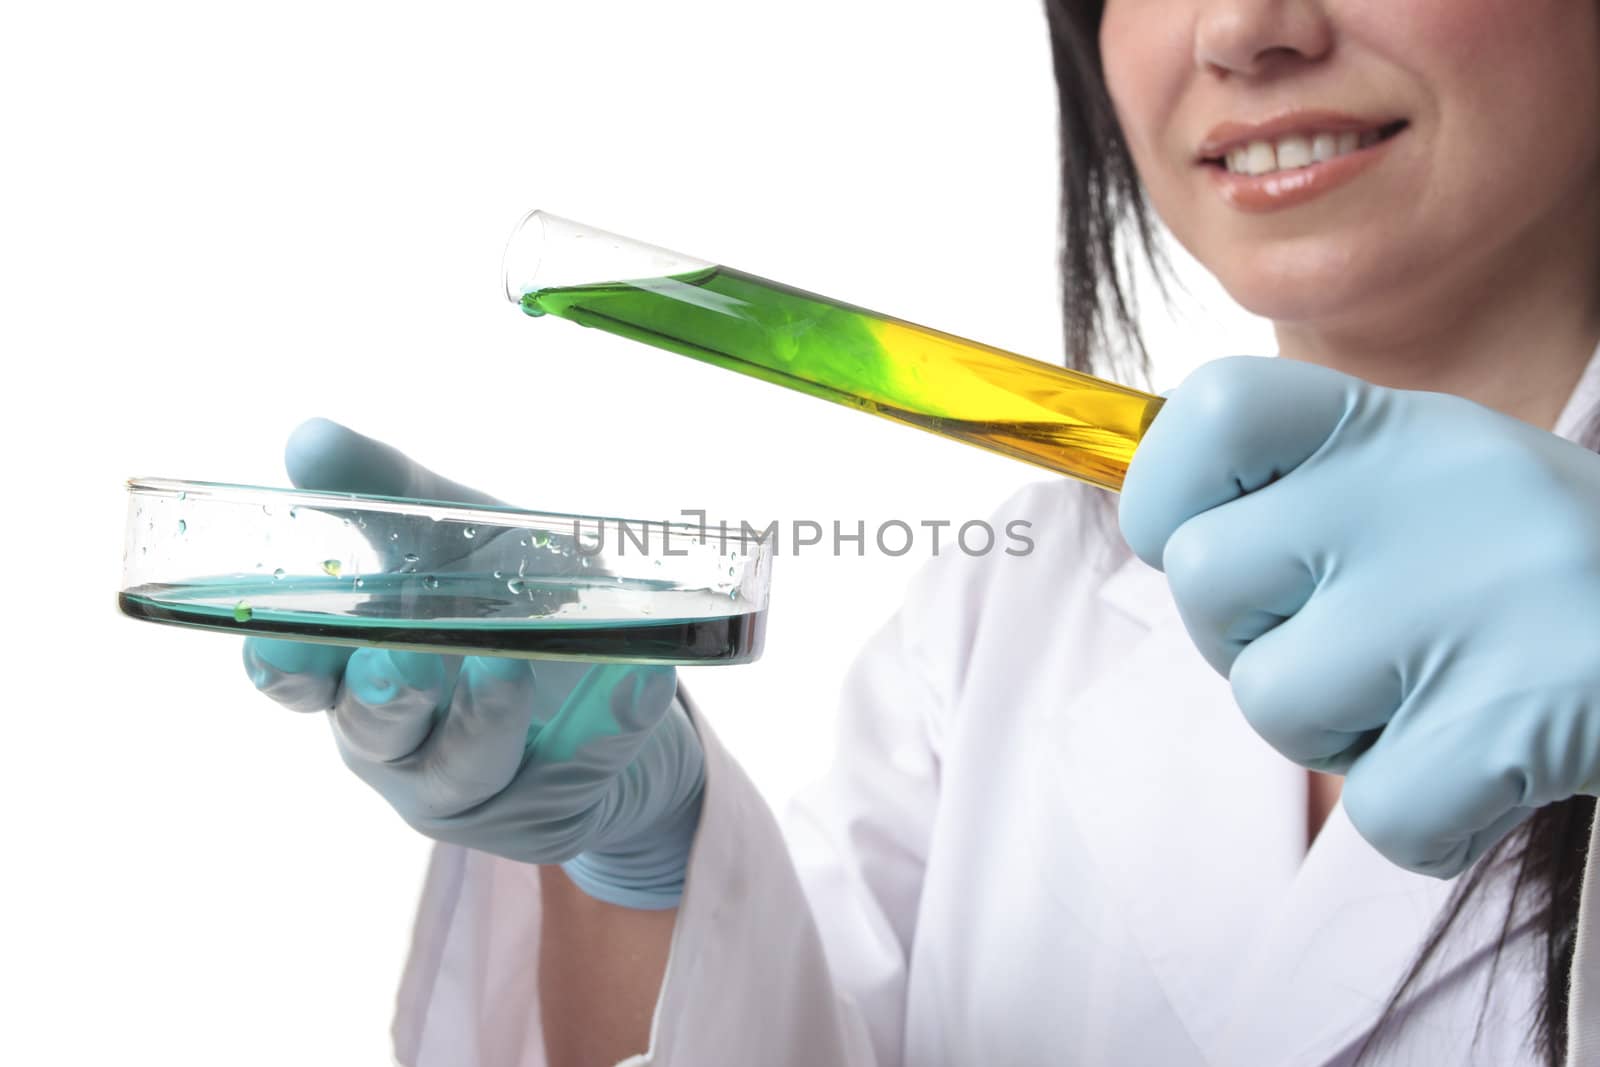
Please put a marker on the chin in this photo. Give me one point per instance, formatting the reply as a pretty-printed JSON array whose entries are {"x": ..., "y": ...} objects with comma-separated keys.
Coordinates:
[{"x": 1304, "y": 290}]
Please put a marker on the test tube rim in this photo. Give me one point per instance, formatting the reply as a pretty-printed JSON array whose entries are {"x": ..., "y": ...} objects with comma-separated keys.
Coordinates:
[{"x": 516, "y": 243}]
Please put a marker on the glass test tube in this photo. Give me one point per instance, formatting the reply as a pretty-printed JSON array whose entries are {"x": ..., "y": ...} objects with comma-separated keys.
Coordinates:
[{"x": 1058, "y": 419}]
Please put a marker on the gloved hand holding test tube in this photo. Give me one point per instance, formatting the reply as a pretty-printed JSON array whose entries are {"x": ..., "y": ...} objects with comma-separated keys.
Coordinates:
[{"x": 1061, "y": 420}]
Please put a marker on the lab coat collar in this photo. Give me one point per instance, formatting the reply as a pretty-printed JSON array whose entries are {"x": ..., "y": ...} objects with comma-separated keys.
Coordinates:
[
  {"x": 1584, "y": 401},
  {"x": 1225, "y": 813},
  {"x": 1319, "y": 940}
]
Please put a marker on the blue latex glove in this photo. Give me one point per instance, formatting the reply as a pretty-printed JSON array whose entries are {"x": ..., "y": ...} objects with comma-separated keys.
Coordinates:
[
  {"x": 1403, "y": 587},
  {"x": 595, "y": 767}
]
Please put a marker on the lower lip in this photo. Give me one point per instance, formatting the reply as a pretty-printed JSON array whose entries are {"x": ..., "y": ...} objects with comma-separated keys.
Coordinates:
[{"x": 1286, "y": 188}]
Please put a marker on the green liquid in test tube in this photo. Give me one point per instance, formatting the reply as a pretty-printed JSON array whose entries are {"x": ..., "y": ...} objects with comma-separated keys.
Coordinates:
[{"x": 1064, "y": 421}]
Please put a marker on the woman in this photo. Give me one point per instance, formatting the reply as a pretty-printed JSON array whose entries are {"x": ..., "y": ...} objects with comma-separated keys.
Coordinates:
[{"x": 1060, "y": 828}]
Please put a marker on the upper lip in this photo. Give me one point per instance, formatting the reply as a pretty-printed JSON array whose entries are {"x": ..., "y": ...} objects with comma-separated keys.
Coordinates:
[{"x": 1229, "y": 135}]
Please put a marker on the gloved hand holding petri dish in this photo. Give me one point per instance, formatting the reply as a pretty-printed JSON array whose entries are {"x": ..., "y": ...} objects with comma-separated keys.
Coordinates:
[{"x": 363, "y": 569}]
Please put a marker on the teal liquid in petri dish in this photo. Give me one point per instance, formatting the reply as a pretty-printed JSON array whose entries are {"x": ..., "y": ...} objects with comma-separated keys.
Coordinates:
[{"x": 632, "y": 620}]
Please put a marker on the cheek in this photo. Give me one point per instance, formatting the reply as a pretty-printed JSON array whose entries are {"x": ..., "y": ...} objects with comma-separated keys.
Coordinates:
[
  {"x": 1517, "y": 89},
  {"x": 1145, "y": 48}
]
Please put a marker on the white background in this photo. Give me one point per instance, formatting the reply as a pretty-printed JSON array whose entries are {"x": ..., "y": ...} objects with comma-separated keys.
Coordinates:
[{"x": 220, "y": 219}]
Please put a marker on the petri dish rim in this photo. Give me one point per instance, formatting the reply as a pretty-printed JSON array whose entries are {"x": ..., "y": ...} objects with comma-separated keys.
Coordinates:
[{"x": 487, "y": 514}]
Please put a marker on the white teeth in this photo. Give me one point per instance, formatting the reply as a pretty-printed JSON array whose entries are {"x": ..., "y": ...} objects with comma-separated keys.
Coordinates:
[
  {"x": 1295, "y": 150},
  {"x": 1260, "y": 158}
]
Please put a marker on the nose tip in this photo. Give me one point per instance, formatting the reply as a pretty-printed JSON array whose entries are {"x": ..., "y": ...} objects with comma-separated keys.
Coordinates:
[{"x": 1255, "y": 37}]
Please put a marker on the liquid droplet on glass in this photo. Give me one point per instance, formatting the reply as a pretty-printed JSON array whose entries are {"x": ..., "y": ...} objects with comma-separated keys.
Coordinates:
[
  {"x": 277, "y": 574},
  {"x": 411, "y": 559},
  {"x": 182, "y": 527},
  {"x": 331, "y": 567},
  {"x": 360, "y": 582},
  {"x": 517, "y": 586},
  {"x": 584, "y": 562},
  {"x": 430, "y": 582},
  {"x": 242, "y": 612}
]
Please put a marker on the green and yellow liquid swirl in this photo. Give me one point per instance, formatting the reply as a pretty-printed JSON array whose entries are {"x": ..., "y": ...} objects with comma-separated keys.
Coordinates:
[{"x": 1055, "y": 418}]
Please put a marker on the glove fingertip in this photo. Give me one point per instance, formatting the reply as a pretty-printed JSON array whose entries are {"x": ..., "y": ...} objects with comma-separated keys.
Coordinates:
[
  {"x": 642, "y": 695},
  {"x": 324, "y": 455},
  {"x": 264, "y": 655}
]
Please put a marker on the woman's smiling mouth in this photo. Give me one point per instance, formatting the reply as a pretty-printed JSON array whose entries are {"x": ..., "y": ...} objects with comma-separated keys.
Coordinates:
[{"x": 1290, "y": 159}]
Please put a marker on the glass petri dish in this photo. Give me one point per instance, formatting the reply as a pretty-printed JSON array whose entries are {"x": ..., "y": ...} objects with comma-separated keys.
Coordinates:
[{"x": 347, "y": 569}]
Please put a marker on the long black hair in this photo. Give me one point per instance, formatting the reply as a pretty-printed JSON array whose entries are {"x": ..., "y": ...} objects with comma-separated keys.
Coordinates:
[{"x": 1105, "y": 224}]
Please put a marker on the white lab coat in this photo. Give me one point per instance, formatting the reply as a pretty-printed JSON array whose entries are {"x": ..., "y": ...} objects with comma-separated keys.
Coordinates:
[{"x": 1049, "y": 838}]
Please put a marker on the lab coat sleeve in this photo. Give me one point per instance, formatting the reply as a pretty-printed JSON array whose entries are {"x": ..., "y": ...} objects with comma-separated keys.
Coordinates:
[
  {"x": 786, "y": 959},
  {"x": 747, "y": 980}
]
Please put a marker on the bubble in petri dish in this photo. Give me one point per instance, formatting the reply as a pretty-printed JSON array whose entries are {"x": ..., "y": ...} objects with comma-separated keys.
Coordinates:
[
  {"x": 517, "y": 586},
  {"x": 294, "y": 513},
  {"x": 242, "y": 612},
  {"x": 360, "y": 582},
  {"x": 183, "y": 527},
  {"x": 331, "y": 567},
  {"x": 411, "y": 559},
  {"x": 277, "y": 574},
  {"x": 430, "y": 582},
  {"x": 394, "y": 535},
  {"x": 470, "y": 532},
  {"x": 540, "y": 538}
]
